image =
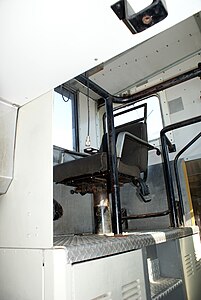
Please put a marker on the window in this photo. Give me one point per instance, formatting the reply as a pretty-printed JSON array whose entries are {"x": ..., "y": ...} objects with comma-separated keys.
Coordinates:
[
  {"x": 154, "y": 118},
  {"x": 65, "y": 133}
]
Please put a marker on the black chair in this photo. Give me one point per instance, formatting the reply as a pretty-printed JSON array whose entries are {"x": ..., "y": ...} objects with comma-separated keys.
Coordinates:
[{"x": 90, "y": 173}]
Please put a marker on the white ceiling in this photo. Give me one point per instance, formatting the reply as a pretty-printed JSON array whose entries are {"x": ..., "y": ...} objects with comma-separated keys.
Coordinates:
[{"x": 46, "y": 42}]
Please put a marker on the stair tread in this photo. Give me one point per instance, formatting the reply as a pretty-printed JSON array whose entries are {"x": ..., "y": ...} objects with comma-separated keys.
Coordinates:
[{"x": 163, "y": 286}]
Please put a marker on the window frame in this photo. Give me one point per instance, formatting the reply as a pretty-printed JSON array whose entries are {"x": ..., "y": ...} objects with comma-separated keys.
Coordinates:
[
  {"x": 154, "y": 141},
  {"x": 73, "y": 96}
]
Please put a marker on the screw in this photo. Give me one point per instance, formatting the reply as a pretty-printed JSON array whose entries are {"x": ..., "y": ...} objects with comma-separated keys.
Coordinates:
[{"x": 146, "y": 19}]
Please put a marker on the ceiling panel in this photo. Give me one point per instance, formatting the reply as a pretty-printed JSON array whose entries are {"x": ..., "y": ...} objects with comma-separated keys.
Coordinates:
[{"x": 154, "y": 55}]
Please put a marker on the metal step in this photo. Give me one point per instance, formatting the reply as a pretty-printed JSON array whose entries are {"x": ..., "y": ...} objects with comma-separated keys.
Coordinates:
[
  {"x": 160, "y": 286},
  {"x": 163, "y": 286}
]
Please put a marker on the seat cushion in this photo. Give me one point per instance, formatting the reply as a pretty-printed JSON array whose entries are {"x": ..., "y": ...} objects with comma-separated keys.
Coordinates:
[{"x": 89, "y": 165}]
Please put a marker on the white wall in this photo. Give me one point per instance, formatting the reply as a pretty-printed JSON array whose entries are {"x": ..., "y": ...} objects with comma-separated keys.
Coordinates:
[
  {"x": 26, "y": 210},
  {"x": 22, "y": 274}
]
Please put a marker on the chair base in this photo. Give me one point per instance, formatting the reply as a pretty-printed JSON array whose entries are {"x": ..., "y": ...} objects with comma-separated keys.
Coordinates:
[{"x": 102, "y": 214}]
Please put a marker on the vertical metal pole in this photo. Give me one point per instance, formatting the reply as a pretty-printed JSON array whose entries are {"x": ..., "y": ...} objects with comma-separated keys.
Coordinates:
[
  {"x": 169, "y": 183},
  {"x": 167, "y": 169},
  {"x": 113, "y": 181}
]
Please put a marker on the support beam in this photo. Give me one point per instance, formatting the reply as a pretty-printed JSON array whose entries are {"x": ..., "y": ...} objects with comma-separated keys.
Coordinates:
[
  {"x": 113, "y": 182},
  {"x": 144, "y": 93}
]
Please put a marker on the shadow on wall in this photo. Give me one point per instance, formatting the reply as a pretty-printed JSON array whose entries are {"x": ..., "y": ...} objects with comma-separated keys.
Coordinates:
[{"x": 77, "y": 211}]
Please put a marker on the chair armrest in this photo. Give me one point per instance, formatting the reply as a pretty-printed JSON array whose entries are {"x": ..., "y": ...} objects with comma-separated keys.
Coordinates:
[{"x": 120, "y": 143}]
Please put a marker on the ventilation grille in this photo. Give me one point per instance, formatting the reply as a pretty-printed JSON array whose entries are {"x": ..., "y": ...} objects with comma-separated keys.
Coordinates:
[
  {"x": 132, "y": 291},
  {"x": 106, "y": 296},
  {"x": 176, "y": 105},
  {"x": 197, "y": 262},
  {"x": 188, "y": 265},
  {"x": 197, "y": 265}
]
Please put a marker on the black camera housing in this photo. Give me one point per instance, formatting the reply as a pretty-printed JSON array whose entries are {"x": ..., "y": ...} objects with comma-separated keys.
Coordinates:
[{"x": 147, "y": 17}]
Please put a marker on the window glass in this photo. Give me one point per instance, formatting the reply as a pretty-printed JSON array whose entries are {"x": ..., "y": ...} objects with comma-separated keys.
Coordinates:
[
  {"x": 154, "y": 118},
  {"x": 64, "y": 120}
]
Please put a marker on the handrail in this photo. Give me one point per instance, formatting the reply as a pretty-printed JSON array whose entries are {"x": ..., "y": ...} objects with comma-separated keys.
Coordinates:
[
  {"x": 144, "y": 93},
  {"x": 121, "y": 138},
  {"x": 181, "y": 211},
  {"x": 167, "y": 169}
]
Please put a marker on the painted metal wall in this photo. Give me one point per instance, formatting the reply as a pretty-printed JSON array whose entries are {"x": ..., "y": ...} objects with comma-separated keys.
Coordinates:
[
  {"x": 179, "y": 103},
  {"x": 26, "y": 209}
]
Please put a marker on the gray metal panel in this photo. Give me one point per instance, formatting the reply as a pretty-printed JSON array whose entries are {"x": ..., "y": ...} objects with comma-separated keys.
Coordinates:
[
  {"x": 158, "y": 203},
  {"x": 77, "y": 211},
  {"x": 175, "y": 105},
  {"x": 86, "y": 247},
  {"x": 156, "y": 55}
]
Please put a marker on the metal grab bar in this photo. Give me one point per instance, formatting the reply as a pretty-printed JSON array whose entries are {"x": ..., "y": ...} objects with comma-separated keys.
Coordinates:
[
  {"x": 181, "y": 211},
  {"x": 121, "y": 138},
  {"x": 167, "y": 169},
  {"x": 144, "y": 93}
]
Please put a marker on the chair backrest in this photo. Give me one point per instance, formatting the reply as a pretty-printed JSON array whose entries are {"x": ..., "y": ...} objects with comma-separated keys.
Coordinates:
[
  {"x": 134, "y": 154},
  {"x": 132, "y": 161}
]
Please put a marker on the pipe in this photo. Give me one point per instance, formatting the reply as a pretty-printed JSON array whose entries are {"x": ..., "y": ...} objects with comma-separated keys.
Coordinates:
[
  {"x": 144, "y": 93},
  {"x": 177, "y": 174},
  {"x": 169, "y": 182},
  {"x": 167, "y": 169},
  {"x": 93, "y": 86},
  {"x": 113, "y": 181}
]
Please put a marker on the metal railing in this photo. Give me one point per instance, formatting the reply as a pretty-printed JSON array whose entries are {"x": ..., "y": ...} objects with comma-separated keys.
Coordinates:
[
  {"x": 174, "y": 220},
  {"x": 113, "y": 182}
]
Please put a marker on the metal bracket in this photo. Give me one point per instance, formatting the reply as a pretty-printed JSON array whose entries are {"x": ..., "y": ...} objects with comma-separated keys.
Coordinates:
[{"x": 147, "y": 17}]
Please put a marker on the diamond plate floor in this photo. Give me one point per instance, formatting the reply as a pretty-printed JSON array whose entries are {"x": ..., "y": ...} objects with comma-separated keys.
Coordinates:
[
  {"x": 85, "y": 247},
  {"x": 163, "y": 286}
]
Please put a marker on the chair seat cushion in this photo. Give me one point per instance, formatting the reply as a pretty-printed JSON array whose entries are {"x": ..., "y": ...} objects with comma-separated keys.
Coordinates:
[{"x": 89, "y": 165}]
